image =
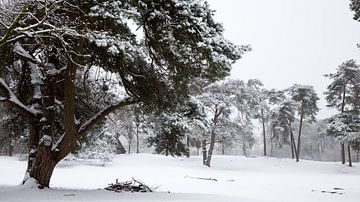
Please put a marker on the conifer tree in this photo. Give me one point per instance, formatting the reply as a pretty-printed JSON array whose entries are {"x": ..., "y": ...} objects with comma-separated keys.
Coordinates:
[
  {"x": 343, "y": 94},
  {"x": 305, "y": 99},
  {"x": 53, "y": 43}
]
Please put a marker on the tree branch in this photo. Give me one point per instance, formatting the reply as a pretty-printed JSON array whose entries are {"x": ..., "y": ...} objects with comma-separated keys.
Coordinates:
[
  {"x": 7, "y": 95},
  {"x": 103, "y": 113}
]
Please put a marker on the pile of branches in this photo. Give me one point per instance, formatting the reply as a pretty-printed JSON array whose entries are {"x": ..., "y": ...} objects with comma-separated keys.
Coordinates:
[{"x": 129, "y": 186}]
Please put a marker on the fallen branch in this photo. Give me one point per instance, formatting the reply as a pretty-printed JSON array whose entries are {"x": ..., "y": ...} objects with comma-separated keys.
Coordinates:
[
  {"x": 202, "y": 178},
  {"x": 129, "y": 186}
]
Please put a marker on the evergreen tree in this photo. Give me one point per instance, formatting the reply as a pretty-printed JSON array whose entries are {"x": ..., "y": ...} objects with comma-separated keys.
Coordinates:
[
  {"x": 343, "y": 94},
  {"x": 305, "y": 99},
  {"x": 260, "y": 104},
  {"x": 52, "y": 43}
]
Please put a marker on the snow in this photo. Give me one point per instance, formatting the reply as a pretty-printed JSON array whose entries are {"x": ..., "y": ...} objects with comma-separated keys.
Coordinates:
[{"x": 237, "y": 179}]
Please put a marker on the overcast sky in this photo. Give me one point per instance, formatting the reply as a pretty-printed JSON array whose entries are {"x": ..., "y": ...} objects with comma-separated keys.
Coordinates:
[{"x": 293, "y": 41}]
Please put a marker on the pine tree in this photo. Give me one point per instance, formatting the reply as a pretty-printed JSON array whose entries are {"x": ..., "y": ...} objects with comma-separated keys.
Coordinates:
[
  {"x": 53, "y": 43},
  {"x": 343, "y": 94},
  {"x": 305, "y": 99}
]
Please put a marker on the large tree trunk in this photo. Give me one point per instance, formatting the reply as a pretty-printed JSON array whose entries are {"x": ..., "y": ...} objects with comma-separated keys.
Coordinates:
[
  {"x": 43, "y": 166},
  {"x": 299, "y": 137},
  {"x": 349, "y": 155}
]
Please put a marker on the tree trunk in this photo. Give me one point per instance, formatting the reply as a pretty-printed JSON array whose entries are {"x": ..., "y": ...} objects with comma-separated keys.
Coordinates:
[
  {"x": 244, "y": 149},
  {"x": 204, "y": 151},
  {"x": 129, "y": 147},
  {"x": 43, "y": 166},
  {"x": 10, "y": 149},
  {"x": 211, "y": 147},
  {"x": 299, "y": 137},
  {"x": 349, "y": 155},
  {"x": 188, "y": 146},
  {"x": 223, "y": 147},
  {"x": 342, "y": 153},
  {"x": 292, "y": 145},
  {"x": 137, "y": 141},
  {"x": 263, "y": 126},
  {"x": 342, "y": 111}
]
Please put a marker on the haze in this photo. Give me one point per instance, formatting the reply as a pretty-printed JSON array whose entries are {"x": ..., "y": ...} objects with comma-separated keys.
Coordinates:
[{"x": 295, "y": 41}]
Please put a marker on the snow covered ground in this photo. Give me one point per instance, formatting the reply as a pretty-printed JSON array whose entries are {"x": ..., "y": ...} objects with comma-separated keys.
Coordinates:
[{"x": 234, "y": 179}]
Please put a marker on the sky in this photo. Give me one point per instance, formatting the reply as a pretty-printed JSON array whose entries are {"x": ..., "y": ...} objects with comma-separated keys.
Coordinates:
[{"x": 293, "y": 41}]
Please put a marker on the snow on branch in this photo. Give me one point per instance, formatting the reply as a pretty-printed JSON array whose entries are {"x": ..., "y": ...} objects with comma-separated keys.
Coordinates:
[
  {"x": 7, "y": 95},
  {"x": 103, "y": 113}
]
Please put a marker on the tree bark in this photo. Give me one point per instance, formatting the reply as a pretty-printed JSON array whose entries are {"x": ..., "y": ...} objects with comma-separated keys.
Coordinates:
[
  {"x": 263, "y": 126},
  {"x": 10, "y": 149},
  {"x": 342, "y": 111},
  {"x": 292, "y": 145},
  {"x": 342, "y": 153},
  {"x": 217, "y": 114},
  {"x": 137, "y": 139},
  {"x": 43, "y": 166},
  {"x": 299, "y": 137},
  {"x": 204, "y": 151},
  {"x": 188, "y": 146},
  {"x": 211, "y": 147},
  {"x": 349, "y": 155}
]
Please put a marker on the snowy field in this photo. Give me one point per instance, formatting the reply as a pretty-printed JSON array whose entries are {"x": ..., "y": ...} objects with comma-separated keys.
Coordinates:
[{"x": 233, "y": 179}]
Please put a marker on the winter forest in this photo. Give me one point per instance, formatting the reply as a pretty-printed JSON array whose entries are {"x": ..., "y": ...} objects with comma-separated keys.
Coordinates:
[{"x": 101, "y": 99}]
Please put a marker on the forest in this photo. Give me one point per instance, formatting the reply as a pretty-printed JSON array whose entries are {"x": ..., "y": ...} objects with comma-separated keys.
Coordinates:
[{"x": 96, "y": 79}]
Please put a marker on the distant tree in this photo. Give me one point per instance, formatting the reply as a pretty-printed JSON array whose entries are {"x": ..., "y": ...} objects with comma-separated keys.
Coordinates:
[
  {"x": 216, "y": 101},
  {"x": 343, "y": 94},
  {"x": 169, "y": 139},
  {"x": 52, "y": 43},
  {"x": 282, "y": 116},
  {"x": 260, "y": 105},
  {"x": 305, "y": 99},
  {"x": 171, "y": 129}
]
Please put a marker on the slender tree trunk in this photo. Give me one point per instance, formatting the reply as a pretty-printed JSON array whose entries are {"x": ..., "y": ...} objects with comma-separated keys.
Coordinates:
[
  {"x": 263, "y": 126},
  {"x": 137, "y": 123},
  {"x": 10, "y": 149},
  {"x": 137, "y": 139},
  {"x": 343, "y": 153},
  {"x": 188, "y": 146},
  {"x": 299, "y": 137},
  {"x": 211, "y": 147},
  {"x": 223, "y": 147},
  {"x": 204, "y": 151},
  {"x": 129, "y": 147},
  {"x": 292, "y": 145},
  {"x": 342, "y": 111},
  {"x": 349, "y": 155},
  {"x": 244, "y": 149}
]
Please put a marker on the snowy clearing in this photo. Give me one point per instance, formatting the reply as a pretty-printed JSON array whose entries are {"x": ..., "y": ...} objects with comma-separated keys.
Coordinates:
[{"x": 231, "y": 178}]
